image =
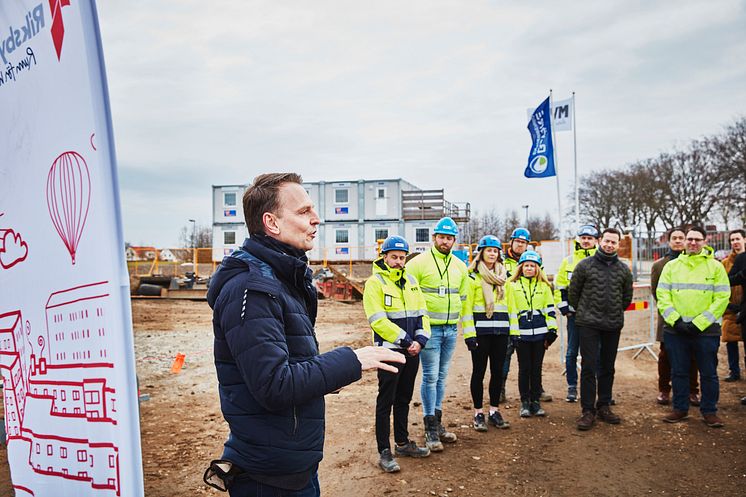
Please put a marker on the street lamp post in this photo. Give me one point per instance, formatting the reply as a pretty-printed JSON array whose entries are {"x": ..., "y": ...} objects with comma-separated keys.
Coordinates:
[
  {"x": 194, "y": 232},
  {"x": 525, "y": 207}
]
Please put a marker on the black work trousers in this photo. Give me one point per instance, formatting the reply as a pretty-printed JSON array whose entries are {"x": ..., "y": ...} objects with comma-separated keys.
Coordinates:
[
  {"x": 530, "y": 359},
  {"x": 598, "y": 348},
  {"x": 395, "y": 390},
  {"x": 490, "y": 348}
]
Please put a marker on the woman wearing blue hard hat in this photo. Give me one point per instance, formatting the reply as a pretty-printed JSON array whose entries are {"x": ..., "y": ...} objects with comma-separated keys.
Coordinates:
[
  {"x": 532, "y": 316},
  {"x": 486, "y": 327}
]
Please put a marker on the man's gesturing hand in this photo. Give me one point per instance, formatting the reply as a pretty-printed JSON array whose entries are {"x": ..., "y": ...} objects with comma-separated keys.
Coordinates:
[{"x": 376, "y": 358}]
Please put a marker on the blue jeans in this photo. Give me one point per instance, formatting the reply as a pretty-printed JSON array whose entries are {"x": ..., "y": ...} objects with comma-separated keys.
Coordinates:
[
  {"x": 571, "y": 357},
  {"x": 705, "y": 350},
  {"x": 733, "y": 357},
  {"x": 251, "y": 488},
  {"x": 436, "y": 359}
]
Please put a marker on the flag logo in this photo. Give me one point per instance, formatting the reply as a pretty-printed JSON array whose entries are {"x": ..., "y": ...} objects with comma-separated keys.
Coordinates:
[{"x": 539, "y": 164}]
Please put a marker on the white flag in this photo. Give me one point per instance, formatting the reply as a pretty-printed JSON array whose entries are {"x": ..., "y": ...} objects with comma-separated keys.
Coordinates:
[{"x": 561, "y": 115}]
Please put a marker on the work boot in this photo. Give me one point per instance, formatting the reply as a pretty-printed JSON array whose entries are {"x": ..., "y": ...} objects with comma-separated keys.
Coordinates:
[
  {"x": 607, "y": 416},
  {"x": 675, "y": 416},
  {"x": 410, "y": 449},
  {"x": 536, "y": 410},
  {"x": 525, "y": 412},
  {"x": 387, "y": 462},
  {"x": 545, "y": 397},
  {"x": 445, "y": 436},
  {"x": 732, "y": 377},
  {"x": 572, "y": 394},
  {"x": 479, "y": 423},
  {"x": 432, "y": 440},
  {"x": 712, "y": 420},
  {"x": 496, "y": 420},
  {"x": 694, "y": 400},
  {"x": 585, "y": 422}
]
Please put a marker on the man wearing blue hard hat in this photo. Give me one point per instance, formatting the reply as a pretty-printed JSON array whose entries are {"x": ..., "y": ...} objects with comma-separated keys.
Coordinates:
[
  {"x": 443, "y": 279},
  {"x": 396, "y": 311},
  {"x": 585, "y": 246}
]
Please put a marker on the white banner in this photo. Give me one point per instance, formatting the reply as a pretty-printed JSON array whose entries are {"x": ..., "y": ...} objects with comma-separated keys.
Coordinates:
[
  {"x": 66, "y": 347},
  {"x": 561, "y": 115}
]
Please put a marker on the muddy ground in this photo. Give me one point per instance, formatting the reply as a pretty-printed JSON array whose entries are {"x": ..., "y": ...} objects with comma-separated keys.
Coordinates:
[{"x": 182, "y": 428}]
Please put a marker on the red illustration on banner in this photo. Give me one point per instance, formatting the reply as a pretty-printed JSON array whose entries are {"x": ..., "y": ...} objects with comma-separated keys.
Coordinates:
[
  {"x": 60, "y": 404},
  {"x": 12, "y": 249},
  {"x": 58, "y": 27},
  {"x": 68, "y": 198}
]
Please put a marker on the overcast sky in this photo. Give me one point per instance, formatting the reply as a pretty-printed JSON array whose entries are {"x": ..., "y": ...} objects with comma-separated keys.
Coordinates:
[{"x": 435, "y": 92}]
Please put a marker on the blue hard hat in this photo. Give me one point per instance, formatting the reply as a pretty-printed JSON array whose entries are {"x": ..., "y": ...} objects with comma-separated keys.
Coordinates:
[
  {"x": 521, "y": 234},
  {"x": 531, "y": 256},
  {"x": 446, "y": 226},
  {"x": 489, "y": 241},
  {"x": 588, "y": 230},
  {"x": 394, "y": 242}
]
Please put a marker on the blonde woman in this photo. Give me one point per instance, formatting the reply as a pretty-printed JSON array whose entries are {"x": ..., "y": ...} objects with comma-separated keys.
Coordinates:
[
  {"x": 533, "y": 318},
  {"x": 486, "y": 326}
]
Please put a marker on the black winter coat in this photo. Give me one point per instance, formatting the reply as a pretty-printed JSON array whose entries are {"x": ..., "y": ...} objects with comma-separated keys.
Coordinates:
[
  {"x": 272, "y": 380},
  {"x": 600, "y": 290}
]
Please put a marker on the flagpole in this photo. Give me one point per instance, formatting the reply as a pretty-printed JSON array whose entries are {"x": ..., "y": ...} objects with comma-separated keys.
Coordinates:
[
  {"x": 575, "y": 157},
  {"x": 556, "y": 176}
]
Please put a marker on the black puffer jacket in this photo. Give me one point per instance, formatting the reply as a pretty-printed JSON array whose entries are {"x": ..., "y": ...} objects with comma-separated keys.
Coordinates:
[
  {"x": 600, "y": 290},
  {"x": 272, "y": 380}
]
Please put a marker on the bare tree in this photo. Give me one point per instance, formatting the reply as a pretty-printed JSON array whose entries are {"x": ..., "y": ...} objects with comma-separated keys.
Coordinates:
[
  {"x": 198, "y": 236},
  {"x": 693, "y": 184},
  {"x": 598, "y": 194}
]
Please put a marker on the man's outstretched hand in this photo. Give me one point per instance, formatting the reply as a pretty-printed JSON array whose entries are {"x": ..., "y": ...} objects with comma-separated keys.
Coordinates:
[{"x": 376, "y": 358}]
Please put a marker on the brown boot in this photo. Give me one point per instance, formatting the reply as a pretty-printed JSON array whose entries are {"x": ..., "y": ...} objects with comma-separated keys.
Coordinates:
[
  {"x": 607, "y": 416},
  {"x": 585, "y": 422},
  {"x": 676, "y": 416},
  {"x": 712, "y": 420},
  {"x": 664, "y": 398}
]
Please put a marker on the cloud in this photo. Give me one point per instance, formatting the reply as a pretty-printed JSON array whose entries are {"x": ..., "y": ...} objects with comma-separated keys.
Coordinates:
[{"x": 13, "y": 249}]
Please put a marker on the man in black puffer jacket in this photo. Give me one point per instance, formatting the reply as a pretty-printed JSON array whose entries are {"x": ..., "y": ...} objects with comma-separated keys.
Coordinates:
[
  {"x": 272, "y": 379},
  {"x": 600, "y": 291}
]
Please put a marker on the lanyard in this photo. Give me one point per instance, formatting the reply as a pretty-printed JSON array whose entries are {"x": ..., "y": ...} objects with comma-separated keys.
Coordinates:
[
  {"x": 438, "y": 267},
  {"x": 530, "y": 298}
]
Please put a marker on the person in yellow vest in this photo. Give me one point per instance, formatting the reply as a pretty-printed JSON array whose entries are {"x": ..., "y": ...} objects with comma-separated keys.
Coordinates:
[
  {"x": 396, "y": 311},
  {"x": 693, "y": 293},
  {"x": 519, "y": 243},
  {"x": 444, "y": 282},
  {"x": 533, "y": 318},
  {"x": 585, "y": 246},
  {"x": 486, "y": 328}
]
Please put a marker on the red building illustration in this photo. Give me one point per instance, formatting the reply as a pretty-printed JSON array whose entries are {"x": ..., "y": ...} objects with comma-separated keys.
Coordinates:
[{"x": 58, "y": 394}]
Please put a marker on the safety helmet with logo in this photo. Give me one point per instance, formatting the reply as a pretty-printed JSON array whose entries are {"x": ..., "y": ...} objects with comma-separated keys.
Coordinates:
[
  {"x": 394, "y": 242},
  {"x": 521, "y": 234},
  {"x": 489, "y": 241},
  {"x": 446, "y": 226},
  {"x": 530, "y": 256},
  {"x": 588, "y": 230}
]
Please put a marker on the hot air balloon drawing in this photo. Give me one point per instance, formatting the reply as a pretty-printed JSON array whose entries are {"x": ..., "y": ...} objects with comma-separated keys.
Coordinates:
[{"x": 68, "y": 198}]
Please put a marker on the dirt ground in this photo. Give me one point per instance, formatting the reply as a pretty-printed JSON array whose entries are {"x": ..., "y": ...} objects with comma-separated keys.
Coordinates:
[{"x": 182, "y": 428}]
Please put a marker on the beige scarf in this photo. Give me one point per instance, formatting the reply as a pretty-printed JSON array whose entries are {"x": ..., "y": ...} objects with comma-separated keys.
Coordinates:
[{"x": 492, "y": 280}]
